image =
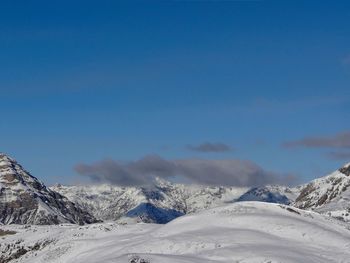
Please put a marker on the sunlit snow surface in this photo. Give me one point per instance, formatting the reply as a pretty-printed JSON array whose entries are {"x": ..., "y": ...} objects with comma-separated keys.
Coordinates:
[{"x": 239, "y": 232}]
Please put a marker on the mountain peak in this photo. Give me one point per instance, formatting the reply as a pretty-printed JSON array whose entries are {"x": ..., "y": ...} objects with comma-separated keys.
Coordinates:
[
  {"x": 6, "y": 158},
  {"x": 3, "y": 155},
  {"x": 26, "y": 200},
  {"x": 345, "y": 169},
  {"x": 13, "y": 175},
  {"x": 6, "y": 161}
]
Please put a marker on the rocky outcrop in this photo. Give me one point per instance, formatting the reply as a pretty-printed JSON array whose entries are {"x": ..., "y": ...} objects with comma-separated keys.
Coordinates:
[
  {"x": 345, "y": 170},
  {"x": 26, "y": 200},
  {"x": 328, "y": 195}
]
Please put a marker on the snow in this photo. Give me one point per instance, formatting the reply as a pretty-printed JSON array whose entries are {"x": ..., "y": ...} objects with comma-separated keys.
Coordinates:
[{"x": 239, "y": 232}]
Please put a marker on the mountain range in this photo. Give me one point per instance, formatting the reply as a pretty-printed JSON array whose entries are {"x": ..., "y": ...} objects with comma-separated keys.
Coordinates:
[{"x": 26, "y": 200}]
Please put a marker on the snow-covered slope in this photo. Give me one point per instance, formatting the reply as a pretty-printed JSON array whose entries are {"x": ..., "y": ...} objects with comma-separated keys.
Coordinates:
[
  {"x": 240, "y": 232},
  {"x": 26, "y": 200},
  {"x": 329, "y": 195}
]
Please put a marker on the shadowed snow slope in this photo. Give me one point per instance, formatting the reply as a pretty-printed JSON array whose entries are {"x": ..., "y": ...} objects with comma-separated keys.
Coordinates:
[
  {"x": 239, "y": 232},
  {"x": 271, "y": 194}
]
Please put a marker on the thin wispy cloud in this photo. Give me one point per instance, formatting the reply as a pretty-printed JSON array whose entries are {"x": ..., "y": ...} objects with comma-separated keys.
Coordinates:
[
  {"x": 210, "y": 147},
  {"x": 199, "y": 171},
  {"x": 339, "y": 156},
  {"x": 346, "y": 60},
  {"x": 340, "y": 140}
]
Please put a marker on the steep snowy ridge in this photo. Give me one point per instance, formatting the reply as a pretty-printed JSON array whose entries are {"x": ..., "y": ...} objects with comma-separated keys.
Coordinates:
[
  {"x": 26, "y": 200},
  {"x": 328, "y": 195}
]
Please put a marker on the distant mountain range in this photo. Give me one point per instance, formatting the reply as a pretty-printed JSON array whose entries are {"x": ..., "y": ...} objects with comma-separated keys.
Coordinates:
[
  {"x": 165, "y": 201},
  {"x": 26, "y": 200},
  {"x": 159, "y": 204}
]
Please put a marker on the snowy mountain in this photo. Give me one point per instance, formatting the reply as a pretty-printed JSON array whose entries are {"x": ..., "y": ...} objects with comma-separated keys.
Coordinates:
[
  {"x": 165, "y": 201},
  {"x": 26, "y": 200},
  {"x": 328, "y": 195},
  {"x": 240, "y": 232},
  {"x": 271, "y": 194},
  {"x": 158, "y": 204}
]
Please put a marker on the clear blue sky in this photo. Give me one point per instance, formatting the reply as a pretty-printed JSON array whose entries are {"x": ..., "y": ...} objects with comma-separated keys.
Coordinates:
[{"x": 81, "y": 81}]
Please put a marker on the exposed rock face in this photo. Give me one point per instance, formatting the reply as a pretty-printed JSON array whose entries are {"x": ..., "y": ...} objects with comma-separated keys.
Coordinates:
[
  {"x": 329, "y": 195},
  {"x": 26, "y": 200}
]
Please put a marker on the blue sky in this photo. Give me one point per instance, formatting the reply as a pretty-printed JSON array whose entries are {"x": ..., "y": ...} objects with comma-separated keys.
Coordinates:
[{"x": 81, "y": 81}]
